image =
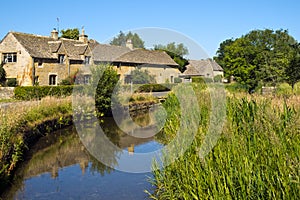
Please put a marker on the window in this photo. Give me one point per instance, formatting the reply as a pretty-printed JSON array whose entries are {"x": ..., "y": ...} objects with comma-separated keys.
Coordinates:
[
  {"x": 87, "y": 79},
  {"x": 61, "y": 59},
  {"x": 87, "y": 60},
  {"x": 10, "y": 57},
  {"x": 52, "y": 79}
]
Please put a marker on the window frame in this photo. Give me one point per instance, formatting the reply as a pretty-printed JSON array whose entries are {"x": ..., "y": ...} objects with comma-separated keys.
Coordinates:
[
  {"x": 12, "y": 56},
  {"x": 51, "y": 82}
]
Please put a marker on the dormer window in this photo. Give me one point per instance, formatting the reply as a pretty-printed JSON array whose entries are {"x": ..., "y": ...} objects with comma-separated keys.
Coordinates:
[
  {"x": 10, "y": 57},
  {"x": 61, "y": 59}
]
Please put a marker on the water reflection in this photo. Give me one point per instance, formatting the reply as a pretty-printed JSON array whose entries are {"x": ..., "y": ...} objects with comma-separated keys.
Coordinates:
[{"x": 60, "y": 167}]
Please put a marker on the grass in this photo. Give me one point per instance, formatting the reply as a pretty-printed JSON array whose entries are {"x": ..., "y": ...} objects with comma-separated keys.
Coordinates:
[
  {"x": 20, "y": 122},
  {"x": 256, "y": 157}
]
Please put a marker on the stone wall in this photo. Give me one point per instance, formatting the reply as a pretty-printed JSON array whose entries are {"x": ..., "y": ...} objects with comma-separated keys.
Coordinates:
[
  {"x": 6, "y": 92},
  {"x": 21, "y": 70}
]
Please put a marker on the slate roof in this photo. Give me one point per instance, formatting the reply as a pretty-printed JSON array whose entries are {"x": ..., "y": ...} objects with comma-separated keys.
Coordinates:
[
  {"x": 45, "y": 47},
  {"x": 202, "y": 67},
  {"x": 143, "y": 56},
  {"x": 108, "y": 53}
]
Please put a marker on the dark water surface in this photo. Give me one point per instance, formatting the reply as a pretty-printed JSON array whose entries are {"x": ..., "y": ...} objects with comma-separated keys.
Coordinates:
[{"x": 59, "y": 167}]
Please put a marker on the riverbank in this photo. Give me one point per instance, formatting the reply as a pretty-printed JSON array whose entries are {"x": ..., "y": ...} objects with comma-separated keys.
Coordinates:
[
  {"x": 22, "y": 124},
  {"x": 256, "y": 156}
]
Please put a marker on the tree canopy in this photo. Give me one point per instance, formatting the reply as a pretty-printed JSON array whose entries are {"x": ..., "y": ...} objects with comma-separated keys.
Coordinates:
[
  {"x": 293, "y": 69},
  {"x": 259, "y": 57},
  {"x": 139, "y": 76},
  {"x": 176, "y": 52},
  {"x": 70, "y": 33},
  {"x": 121, "y": 38}
]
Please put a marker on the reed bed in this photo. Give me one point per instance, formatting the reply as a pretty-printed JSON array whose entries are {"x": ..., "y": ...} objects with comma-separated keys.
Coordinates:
[{"x": 256, "y": 157}]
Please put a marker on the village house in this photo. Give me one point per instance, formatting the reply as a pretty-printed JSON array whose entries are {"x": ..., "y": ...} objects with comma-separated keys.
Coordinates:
[
  {"x": 206, "y": 68},
  {"x": 47, "y": 60}
]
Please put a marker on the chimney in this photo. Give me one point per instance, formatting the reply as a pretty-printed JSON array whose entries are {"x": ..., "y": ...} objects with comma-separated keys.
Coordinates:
[
  {"x": 129, "y": 44},
  {"x": 83, "y": 38},
  {"x": 54, "y": 34}
]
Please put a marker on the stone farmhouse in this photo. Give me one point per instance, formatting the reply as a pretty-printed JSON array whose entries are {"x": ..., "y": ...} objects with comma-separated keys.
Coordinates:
[
  {"x": 207, "y": 68},
  {"x": 47, "y": 60}
]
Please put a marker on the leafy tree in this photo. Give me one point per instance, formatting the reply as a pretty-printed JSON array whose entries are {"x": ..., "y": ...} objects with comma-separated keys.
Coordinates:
[
  {"x": 178, "y": 49},
  {"x": 293, "y": 70},
  {"x": 139, "y": 76},
  {"x": 104, "y": 79},
  {"x": 176, "y": 52},
  {"x": 2, "y": 75},
  {"x": 70, "y": 33},
  {"x": 121, "y": 39},
  {"x": 261, "y": 56}
]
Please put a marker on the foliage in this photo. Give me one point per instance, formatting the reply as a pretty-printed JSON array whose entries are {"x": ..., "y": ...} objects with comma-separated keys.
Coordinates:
[
  {"x": 139, "y": 76},
  {"x": 155, "y": 87},
  {"x": 16, "y": 126},
  {"x": 284, "y": 89},
  {"x": 177, "y": 80},
  {"x": 11, "y": 82},
  {"x": 176, "y": 52},
  {"x": 70, "y": 33},
  {"x": 293, "y": 69},
  {"x": 296, "y": 88},
  {"x": 38, "y": 92},
  {"x": 218, "y": 78},
  {"x": 236, "y": 87},
  {"x": 2, "y": 75},
  {"x": 256, "y": 157},
  {"x": 178, "y": 49},
  {"x": 104, "y": 79},
  {"x": 121, "y": 39},
  {"x": 259, "y": 56}
]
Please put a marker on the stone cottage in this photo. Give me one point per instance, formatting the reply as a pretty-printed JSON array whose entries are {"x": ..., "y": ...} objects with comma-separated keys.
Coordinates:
[
  {"x": 47, "y": 60},
  {"x": 207, "y": 68}
]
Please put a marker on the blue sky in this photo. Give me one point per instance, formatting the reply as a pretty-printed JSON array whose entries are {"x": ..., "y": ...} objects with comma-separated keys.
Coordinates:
[{"x": 207, "y": 23}]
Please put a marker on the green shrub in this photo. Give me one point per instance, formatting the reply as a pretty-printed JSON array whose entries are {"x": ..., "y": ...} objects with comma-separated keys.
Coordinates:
[
  {"x": 218, "y": 78},
  {"x": 284, "y": 89},
  {"x": 177, "y": 80},
  {"x": 297, "y": 88},
  {"x": 236, "y": 87},
  {"x": 155, "y": 87},
  {"x": 38, "y": 92},
  {"x": 11, "y": 82},
  {"x": 198, "y": 79}
]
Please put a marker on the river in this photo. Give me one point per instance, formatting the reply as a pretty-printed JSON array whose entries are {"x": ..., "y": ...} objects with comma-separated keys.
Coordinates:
[{"x": 59, "y": 166}]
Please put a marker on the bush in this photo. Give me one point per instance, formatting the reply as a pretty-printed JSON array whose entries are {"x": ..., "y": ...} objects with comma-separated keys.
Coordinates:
[
  {"x": 38, "y": 92},
  {"x": 155, "y": 87},
  {"x": 177, "y": 80},
  {"x": 284, "y": 89},
  {"x": 11, "y": 82},
  {"x": 236, "y": 87},
  {"x": 218, "y": 78},
  {"x": 198, "y": 79},
  {"x": 297, "y": 88}
]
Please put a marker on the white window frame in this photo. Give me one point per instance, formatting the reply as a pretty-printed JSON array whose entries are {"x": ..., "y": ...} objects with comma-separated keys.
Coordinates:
[{"x": 10, "y": 57}]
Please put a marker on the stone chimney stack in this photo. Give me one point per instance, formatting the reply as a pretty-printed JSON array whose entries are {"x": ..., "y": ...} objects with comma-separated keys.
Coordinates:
[
  {"x": 54, "y": 34},
  {"x": 129, "y": 44},
  {"x": 83, "y": 37}
]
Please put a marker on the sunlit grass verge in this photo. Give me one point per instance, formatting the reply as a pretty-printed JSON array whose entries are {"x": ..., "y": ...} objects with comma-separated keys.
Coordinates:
[
  {"x": 256, "y": 157},
  {"x": 23, "y": 122}
]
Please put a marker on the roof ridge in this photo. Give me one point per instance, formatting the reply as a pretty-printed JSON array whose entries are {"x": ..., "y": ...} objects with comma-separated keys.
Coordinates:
[{"x": 29, "y": 34}]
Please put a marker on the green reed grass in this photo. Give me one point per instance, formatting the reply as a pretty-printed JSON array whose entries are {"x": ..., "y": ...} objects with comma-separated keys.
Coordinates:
[{"x": 256, "y": 157}]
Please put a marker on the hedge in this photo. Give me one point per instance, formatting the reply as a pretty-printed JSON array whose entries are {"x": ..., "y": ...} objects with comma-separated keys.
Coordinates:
[
  {"x": 38, "y": 92},
  {"x": 155, "y": 87}
]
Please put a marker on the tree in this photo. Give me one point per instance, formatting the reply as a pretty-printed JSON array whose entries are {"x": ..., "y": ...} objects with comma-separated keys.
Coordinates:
[
  {"x": 293, "y": 70},
  {"x": 178, "y": 49},
  {"x": 104, "y": 79},
  {"x": 176, "y": 52},
  {"x": 121, "y": 39},
  {"x": 142, "y": 77},
  {"x": 70, "y": 33},
  {"x": 2, "y": 75},
  {"x": 261, "y": 56}
]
